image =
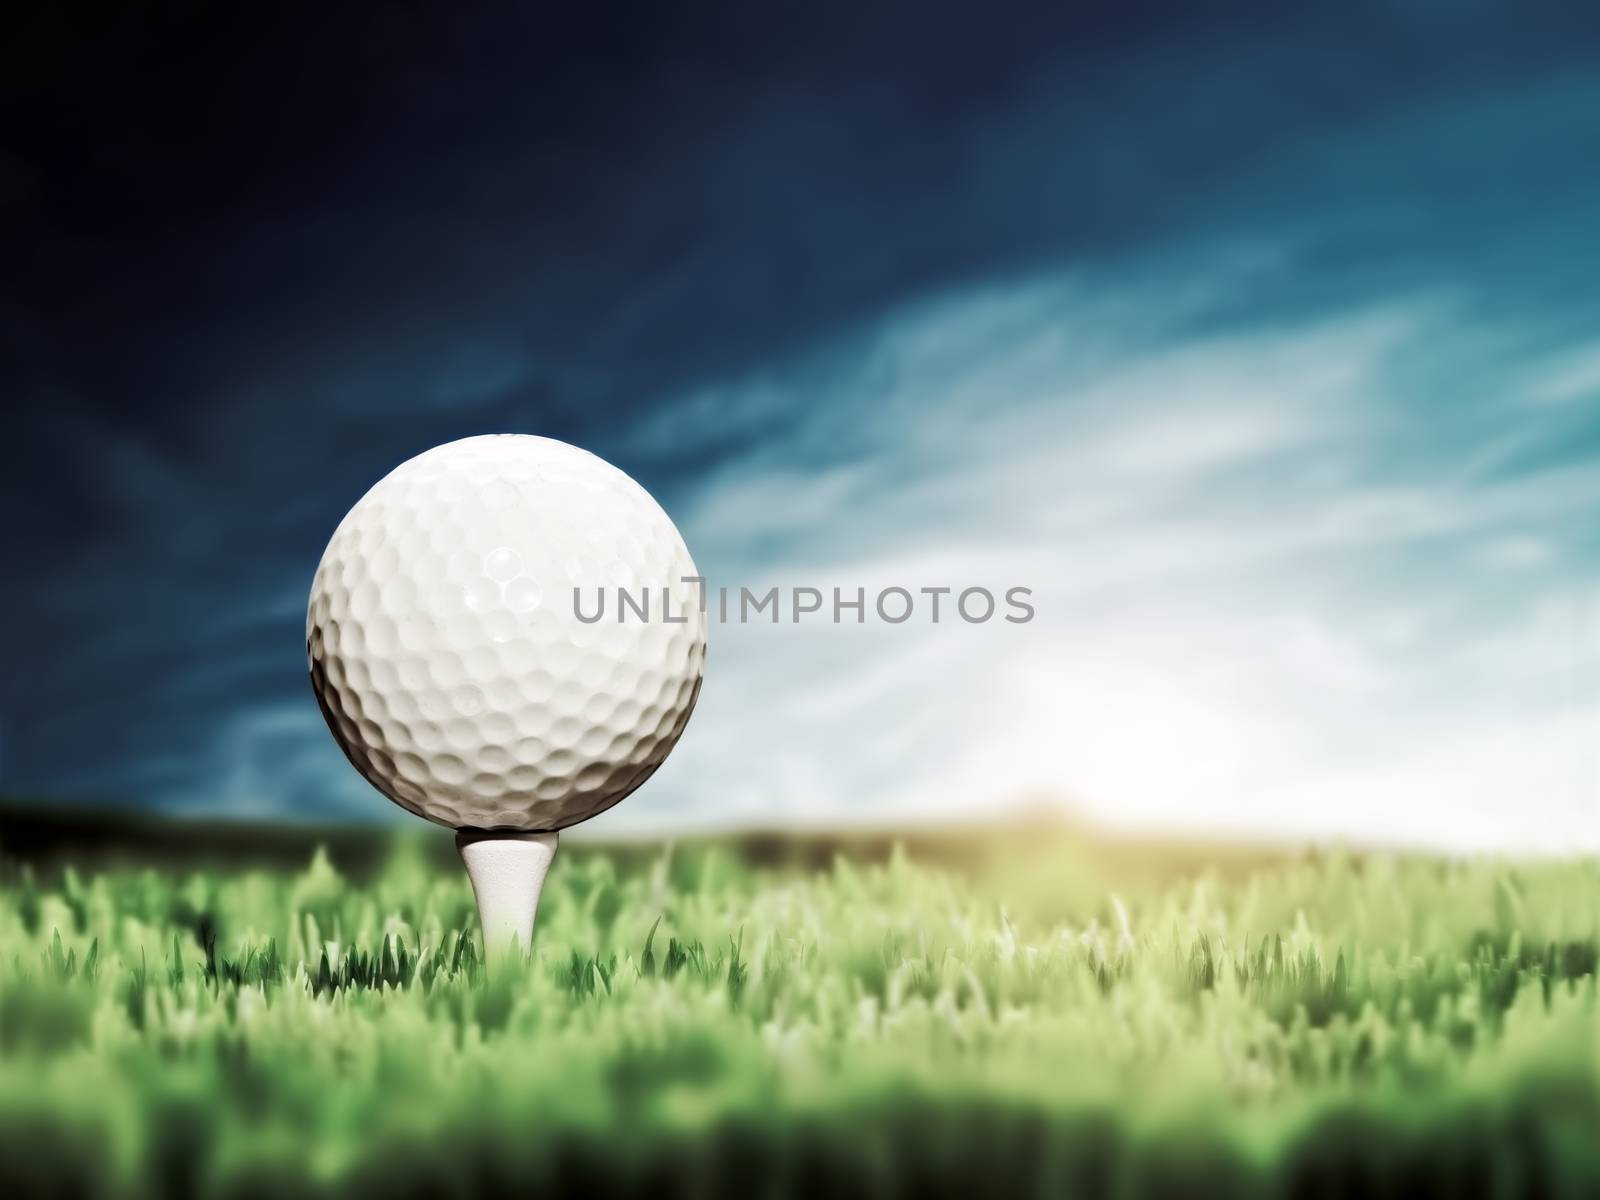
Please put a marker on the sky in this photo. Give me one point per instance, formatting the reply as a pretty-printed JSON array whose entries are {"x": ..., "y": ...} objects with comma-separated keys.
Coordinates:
[{"x": 1264, "y": 348}]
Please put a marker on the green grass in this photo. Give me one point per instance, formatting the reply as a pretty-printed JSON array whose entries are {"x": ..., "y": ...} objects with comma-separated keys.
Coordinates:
[{"x": 1036, "y": 1022}]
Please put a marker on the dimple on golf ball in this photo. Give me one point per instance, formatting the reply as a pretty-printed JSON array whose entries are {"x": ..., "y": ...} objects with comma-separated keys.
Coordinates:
[{"x": 447, "y": 651}]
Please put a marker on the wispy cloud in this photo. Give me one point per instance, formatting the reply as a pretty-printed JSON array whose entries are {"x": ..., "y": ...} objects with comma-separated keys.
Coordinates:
[{"x": 1266, "y": 602}]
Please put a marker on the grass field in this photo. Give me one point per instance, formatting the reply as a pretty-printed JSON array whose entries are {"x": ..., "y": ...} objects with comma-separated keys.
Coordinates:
[{"x": 1035, "y": 1018}]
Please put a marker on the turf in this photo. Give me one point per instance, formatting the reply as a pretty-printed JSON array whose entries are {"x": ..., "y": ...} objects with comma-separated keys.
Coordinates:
[{"x": 1031, "y": 1022}]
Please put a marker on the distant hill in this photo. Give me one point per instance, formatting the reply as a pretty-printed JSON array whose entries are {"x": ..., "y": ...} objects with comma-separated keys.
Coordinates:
[{"x": 53, "y": 836}]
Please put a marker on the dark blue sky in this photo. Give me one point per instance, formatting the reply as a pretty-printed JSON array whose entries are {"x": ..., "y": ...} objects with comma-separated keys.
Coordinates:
[{"x": 855, "y": 294}]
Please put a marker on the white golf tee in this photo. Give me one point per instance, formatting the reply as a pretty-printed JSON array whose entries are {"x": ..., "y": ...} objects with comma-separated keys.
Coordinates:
[{"x": 507, "y": 870}]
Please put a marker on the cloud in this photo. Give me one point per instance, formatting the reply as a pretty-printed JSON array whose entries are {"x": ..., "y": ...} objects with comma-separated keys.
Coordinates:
[{"x": 1254, "y": 613}]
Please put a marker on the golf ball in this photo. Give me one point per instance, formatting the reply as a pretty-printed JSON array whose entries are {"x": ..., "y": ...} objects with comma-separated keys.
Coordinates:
[{"x": 453, "y": 647}]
